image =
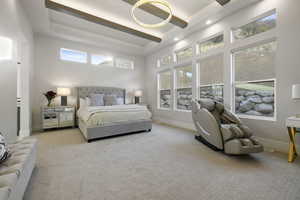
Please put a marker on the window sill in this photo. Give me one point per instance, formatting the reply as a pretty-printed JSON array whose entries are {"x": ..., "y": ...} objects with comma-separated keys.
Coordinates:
[
  {"x": 163, "y": 109},
  {"x": 272, "y": 119},
  {"x": 186, "y": 111}
]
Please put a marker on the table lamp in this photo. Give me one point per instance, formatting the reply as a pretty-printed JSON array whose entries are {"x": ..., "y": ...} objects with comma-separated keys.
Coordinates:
[
  {"x": 137, "y": 96},
  {"x": 296, "y": 94},
  {"x": 64, "y": 93}
]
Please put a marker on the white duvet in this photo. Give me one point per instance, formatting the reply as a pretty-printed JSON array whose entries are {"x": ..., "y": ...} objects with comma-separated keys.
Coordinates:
[{"x": 104, "y": 115}]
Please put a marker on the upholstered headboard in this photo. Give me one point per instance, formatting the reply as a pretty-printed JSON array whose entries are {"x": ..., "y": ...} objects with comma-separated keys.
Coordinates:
[{"x": 83, "y": 92}]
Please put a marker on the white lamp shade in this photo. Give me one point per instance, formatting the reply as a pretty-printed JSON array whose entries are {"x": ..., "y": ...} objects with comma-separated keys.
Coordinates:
[
  {"x": 138, "y": 93},
  {"x": 63, "y": 91},
  {"x": 296, "y": 91}
]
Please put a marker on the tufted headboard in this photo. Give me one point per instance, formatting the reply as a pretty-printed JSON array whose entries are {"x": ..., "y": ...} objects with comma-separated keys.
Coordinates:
[{"x": 83, "y": 92}]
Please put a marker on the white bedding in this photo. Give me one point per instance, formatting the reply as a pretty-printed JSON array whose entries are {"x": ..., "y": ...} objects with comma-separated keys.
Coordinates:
[{"x": 104, "y": 115}]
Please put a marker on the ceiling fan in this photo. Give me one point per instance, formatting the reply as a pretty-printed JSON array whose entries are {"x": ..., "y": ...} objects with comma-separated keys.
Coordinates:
[{"x": 223, "y": 2}]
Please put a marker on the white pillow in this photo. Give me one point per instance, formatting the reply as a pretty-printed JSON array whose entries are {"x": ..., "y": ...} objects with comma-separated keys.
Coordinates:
[
  {"x": 83, "y": 103},
  {"x": 88, "y": 101},
  {"x": 97, "y": 99},
  {"x": 120, "y": 101}
]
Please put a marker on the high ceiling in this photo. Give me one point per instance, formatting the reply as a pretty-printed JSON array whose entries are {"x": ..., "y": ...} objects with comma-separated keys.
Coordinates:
[{"x": 47, "y": 21}]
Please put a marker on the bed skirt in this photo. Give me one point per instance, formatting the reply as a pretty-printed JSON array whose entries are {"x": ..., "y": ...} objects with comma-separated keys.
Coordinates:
[{"x": 101, "y": 132}]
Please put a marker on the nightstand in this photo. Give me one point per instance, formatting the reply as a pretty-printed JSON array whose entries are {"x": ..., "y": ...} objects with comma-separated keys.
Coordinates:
[
  {"x": 292, "y": 123},
  {"x": 58, "y": 117}
]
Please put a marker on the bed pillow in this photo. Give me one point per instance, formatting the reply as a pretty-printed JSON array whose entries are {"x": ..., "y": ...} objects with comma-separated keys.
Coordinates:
[
  {"x": 97, "y": 99},
  {"x": 120, "y": 101},
  {"x": 4, "y": 151},
  {"x": 110, "y": 100},
  {"x": 83, "y": 103}
]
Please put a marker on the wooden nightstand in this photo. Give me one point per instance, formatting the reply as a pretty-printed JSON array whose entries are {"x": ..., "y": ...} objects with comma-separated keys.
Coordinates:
[
  {"x": 58, "y": 117},
  {"x": 292, "y": 123}
]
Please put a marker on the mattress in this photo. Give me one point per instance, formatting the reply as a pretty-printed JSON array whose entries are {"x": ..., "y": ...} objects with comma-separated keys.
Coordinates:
[{"x": 97, "y": 116}]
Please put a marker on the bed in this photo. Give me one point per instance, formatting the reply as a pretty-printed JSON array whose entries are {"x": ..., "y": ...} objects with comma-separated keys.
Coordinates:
[{"x": 99, "y": 122}]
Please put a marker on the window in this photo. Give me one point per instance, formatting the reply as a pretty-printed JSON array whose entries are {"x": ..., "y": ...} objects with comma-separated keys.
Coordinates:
[
  {"x": 73, "y": 55},
  {"x": 164, "y": 87},
  {"x": 259, "y": 26},
  {"x": 211, "y": 44},
  {"x": 255, "y": 80},
  {"x": 124, "y": 64},
  {"x": 166, "y": 60},
  {"x": 102, "y": 60},
  {"x": 184, "y": 81},
  {"x": 211, "y": 77},
  {"x": 184, "y": 54}
]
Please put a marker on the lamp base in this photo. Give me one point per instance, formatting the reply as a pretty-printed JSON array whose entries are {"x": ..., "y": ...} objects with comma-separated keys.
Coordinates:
[
  {"x": 136, "y": 100},
  {"x": 64, "y": 100}
]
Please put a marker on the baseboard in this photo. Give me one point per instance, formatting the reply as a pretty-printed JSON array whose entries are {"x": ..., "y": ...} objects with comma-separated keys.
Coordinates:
[{"x": 270, "y": 145}]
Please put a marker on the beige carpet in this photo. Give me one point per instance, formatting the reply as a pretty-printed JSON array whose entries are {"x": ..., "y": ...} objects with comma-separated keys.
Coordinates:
[{"x": 166, "y": 164}]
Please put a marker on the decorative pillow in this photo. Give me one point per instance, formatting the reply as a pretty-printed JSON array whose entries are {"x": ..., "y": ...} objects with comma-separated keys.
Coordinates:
[
  {"x": 120, "y": 101},
  {"x": 88, "y": 101},
  {"x": 110, "y": 100},
  {"x": 97, "y": 99},
  {"x": 4, "y": 151},
  {"x": 83, "y": 103}
]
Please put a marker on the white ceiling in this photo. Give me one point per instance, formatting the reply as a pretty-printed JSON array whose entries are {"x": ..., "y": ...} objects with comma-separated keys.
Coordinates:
[{"x": 62, "y": 25}]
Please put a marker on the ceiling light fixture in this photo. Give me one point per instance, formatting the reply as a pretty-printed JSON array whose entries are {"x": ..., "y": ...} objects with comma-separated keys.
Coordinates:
[{"x": 161, "y": 2}]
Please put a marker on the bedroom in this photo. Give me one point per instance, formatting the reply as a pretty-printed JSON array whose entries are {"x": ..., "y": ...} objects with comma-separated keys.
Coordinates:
[{"x": 123, "y": 77}]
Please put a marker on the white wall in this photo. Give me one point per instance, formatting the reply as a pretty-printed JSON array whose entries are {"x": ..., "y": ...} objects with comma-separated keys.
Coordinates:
[
  {"x": 287, "y": 67},
  {"x": 51, "y": 72},
  {"x": 15, "y": 25}
]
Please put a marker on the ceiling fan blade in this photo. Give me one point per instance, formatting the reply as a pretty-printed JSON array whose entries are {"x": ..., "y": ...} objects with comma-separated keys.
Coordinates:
[{"x": 223, "y": 2}]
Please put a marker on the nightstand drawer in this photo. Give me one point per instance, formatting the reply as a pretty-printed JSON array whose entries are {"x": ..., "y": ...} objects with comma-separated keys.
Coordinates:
[{"x": 58, "y": 117}]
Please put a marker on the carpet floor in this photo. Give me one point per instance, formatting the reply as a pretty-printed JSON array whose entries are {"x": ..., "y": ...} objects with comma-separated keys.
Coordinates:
[{"x": 166, "y": 164}]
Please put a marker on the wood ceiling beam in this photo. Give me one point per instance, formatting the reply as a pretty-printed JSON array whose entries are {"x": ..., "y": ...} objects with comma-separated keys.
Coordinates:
[
  {"x": 98, "y": 20},
  {"x": 158, "y": 12}
]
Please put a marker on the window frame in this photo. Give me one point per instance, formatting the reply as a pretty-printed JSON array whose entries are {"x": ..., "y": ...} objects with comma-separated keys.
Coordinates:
[
  {"x": 97, "y": 54},
  {"x": 198, "y": 66},
  {"x": 175, "y": 57},
  {"x": 248, "y": 21},
  {"x": 158, "y": 89},
  {"x": 234, "y": 83},
  {"x": 206, "y": 39},
  {"x": 78, "y": 51},
  {"x": 185, "y": 64},
  {"x": 159, "y": 65},
  {"x": 116, "y": 59}
]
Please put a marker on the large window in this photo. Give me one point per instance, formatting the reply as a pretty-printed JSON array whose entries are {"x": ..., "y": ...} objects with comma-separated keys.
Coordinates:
[
  {"x": 184, "y": 54},
  {"x": 73, "y": 55},
  {"x": 165, "y": 60},
  {"x": 124, "y": 64},
  {"x": 184, "y": 82},
  {"x": 255, "y": 80},
  {"x": 102, "y": 60},
  {"x": 164, "y": 87},
  {"x": 259, "y": 26},
  {"x": 211, "y": 44},
  {"x": 211, "y": 77}
]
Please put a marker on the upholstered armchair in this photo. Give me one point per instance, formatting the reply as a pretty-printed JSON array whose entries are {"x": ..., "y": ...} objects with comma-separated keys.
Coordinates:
[{"x": 222, "y": 130}]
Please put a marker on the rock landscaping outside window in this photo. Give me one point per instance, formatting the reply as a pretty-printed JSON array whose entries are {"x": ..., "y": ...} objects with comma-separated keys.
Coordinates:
[
  {"x": 164, "y": 87},
  {"x": 215, "y": 92},
  {"x": 255, "y": 99},
  {"x": 184, "y": 99}
]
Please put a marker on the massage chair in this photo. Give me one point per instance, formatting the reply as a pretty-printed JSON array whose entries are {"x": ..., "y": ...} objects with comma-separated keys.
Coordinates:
[{"x": 221, "y": 130}]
